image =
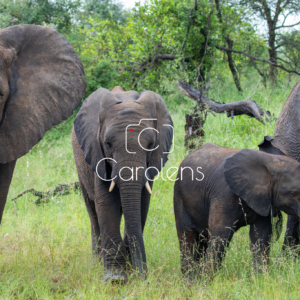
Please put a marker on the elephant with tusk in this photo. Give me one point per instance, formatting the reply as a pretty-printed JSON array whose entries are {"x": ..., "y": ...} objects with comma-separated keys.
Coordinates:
[
  {"x": 41, "y": 84},
  {"x": 121, "y": 141}
]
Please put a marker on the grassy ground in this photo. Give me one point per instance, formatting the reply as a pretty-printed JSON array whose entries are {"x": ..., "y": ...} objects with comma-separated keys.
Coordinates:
[{"x": 45, "y": 250}]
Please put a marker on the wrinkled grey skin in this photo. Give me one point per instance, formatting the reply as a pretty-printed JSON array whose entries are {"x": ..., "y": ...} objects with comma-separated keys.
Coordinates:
[
  {"x": 41, "y": 84},
  {"x": 239, "y": 188},
  {"x": 287, "y": 132},
  {"x": 99, "y": 132}
]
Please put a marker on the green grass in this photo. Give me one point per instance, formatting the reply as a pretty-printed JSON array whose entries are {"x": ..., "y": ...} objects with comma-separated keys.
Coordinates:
[{"x": 45, "y": 250}]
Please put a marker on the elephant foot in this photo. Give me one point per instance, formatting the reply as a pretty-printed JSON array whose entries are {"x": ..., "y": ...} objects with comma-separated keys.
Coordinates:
[{"x": 115, "y": 277}]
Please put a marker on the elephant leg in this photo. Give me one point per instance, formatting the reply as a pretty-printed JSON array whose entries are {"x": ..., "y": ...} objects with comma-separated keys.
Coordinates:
[
  {"x": 217, "y": 247},
  {"x": 201, "y": 248},
  {"x": 188, "y": 241},
  {"x": 108, "y": 207},
  {"x": 144, "y": 212},
  {"x": 291, "y": 237},
  {"x": 6, "y": 174},
  {"x": 260, "y": 236},
  {"x": 188, "y": 237},
  {"x": 95, "y": 228}
]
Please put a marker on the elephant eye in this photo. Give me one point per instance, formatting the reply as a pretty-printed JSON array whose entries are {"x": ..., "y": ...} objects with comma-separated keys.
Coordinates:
[
  {"x": 150, "y": 146},
  {"x": 108, "y": 144},
  {"x": 293, "y": 194}
]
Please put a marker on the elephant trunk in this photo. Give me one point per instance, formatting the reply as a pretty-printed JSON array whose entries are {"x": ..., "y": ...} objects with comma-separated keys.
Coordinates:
[{"x": 131, "y": 192}]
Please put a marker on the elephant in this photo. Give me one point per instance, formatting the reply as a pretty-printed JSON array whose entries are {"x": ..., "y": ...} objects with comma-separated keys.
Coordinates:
[
  {"x": 41, "y": 84},
  {"x": 236, "y": 188},
  {"x": 287, "y": 132},
  {"x": 117, "y": 159}
]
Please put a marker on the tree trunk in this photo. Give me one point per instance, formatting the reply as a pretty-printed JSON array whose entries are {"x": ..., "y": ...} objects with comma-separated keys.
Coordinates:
[
  {"x": 272, "y": 54},
  {"x": 229, "y": 42},
  {"x": 231, "y": 65},
  {"x": 194, "y": 133}
]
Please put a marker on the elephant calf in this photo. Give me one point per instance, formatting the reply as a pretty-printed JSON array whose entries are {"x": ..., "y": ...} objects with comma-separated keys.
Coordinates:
[
  {"x": 238, "y": 189},
  {"x": 120, "y": 142}
]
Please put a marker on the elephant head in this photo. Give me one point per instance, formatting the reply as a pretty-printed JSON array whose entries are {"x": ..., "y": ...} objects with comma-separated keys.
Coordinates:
[
  {"x": 272, "y": 146},
  {"x": 126, "y": 137},
  {"x": 41, "y": 84},
  {"x": 262, "y": 180}
]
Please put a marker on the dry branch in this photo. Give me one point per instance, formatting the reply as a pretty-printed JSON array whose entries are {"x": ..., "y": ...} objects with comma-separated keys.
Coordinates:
[
  {"x": 243, "y": 107},
  {"x": 61, "y": 189},
  {"x": 258, "y": 59}
]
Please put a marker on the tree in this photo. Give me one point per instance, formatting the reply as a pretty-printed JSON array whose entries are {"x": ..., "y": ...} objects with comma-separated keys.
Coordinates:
[
  {"x": 274, "y": 14},
  {"x": 105, "y": 10},
  {"x": 163, "y": 38},
  {"x": 289, "y": 50}
]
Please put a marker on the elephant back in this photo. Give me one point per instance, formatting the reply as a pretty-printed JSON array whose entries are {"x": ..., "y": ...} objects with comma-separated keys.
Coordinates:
[{"x": 287, "y": 129}]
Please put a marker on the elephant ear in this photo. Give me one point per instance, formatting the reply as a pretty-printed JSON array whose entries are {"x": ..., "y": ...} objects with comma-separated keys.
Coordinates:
[
  {"x": 87, "y": 126},
  {"x": 164, "y": 125},
  {"x": 46, "y": 86},
  {"x": 272, "y": 146},
  {"x": 248, "y": 177}
]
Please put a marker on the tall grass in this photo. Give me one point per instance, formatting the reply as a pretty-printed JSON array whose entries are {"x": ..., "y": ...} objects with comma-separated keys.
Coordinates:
[{"x": 45, "y": 250}]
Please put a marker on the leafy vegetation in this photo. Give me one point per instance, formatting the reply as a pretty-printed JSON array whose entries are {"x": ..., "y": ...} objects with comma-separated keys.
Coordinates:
[{"x": 202, "y": 40}]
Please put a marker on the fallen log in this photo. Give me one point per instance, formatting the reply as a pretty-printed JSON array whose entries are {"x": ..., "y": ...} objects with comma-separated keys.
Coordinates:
[
  {"x": 61, "y": 189},
  {"x": 243, "y": 107}
]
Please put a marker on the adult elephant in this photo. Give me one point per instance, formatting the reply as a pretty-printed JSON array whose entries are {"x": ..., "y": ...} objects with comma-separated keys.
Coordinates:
[
  {"x": 287, "y": 132},
  {"x": 120, "y": 141},
  {"x": 41, "y": 83},
  {"x": 219, "y": 190}
]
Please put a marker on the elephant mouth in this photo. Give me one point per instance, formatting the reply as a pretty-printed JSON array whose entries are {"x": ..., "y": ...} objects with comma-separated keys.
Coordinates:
[{"x": 147, "y": 185}]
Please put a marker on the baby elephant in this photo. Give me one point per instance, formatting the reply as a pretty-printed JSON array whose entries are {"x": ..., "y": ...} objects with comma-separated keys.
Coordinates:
[{"x": 238, "y": 189}]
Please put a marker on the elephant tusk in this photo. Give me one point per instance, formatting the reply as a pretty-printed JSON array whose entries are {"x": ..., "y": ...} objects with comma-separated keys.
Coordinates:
[
  {"x": 112, "y": 185},
  {"x": 147, "y": 185}
]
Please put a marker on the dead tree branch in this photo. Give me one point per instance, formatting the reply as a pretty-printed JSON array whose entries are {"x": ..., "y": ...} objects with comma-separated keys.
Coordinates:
[
  {"x": 258, "y": 59},
  {"x": 61, "y": 189},
  {"x": 243, "y": 107}
]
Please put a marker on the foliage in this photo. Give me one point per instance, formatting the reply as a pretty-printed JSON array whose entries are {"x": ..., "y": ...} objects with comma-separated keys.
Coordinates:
[
  {"x": 290, "y": 48},
  {"x": 166, "y": 39},
  {"x": 103, "y": 74},
  {"x": 39, "y": 12},
  {"x": 274, "y": 15},
  {"x": 157, "y": 40},
  {"x": 104, "y": 10}
]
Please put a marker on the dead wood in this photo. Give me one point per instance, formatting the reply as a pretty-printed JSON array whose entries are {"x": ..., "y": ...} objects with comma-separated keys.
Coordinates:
[
  {"x": 243, "y": 107},
  {"x": 61, "y": 189}
]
